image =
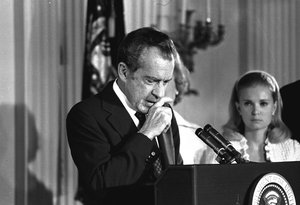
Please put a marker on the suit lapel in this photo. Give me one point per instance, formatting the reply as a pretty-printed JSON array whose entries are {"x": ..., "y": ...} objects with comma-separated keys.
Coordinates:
[
  {"x": 118, "y": 116},
  {"x": 121, "y": 121}
]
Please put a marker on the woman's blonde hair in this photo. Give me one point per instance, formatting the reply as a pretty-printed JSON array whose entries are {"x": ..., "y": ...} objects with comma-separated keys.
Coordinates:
[{"x": 277, "y": 130}]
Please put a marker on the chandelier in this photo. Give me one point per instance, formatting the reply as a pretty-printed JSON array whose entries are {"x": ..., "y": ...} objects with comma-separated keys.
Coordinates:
[
  {"x": 200, "y": 36},
  {"x": 187, "y": 37}
]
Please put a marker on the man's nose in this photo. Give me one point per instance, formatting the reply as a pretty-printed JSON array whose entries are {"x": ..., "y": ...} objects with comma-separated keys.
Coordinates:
[{"x": 159, "y": 90}]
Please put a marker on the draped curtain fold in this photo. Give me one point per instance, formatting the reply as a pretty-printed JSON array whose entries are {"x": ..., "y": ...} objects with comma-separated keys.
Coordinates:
[
  {"x": 269, "y": 32},
  {"x": 53, "y": 52},
  {"x": 161, "y": 14}
]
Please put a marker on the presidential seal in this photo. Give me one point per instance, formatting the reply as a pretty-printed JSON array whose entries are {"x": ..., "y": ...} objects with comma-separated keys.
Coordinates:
[{"x": 273, "y": 189}]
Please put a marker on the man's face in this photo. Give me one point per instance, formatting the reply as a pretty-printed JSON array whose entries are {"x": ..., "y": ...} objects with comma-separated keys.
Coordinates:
[{"x": 148, "y": 83}]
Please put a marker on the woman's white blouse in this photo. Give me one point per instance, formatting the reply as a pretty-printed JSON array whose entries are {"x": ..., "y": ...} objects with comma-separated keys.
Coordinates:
[{"x": 288, "y": 150}]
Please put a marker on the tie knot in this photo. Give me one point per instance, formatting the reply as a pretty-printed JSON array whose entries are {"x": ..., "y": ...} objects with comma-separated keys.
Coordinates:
[{"x": 141, "y": 117}]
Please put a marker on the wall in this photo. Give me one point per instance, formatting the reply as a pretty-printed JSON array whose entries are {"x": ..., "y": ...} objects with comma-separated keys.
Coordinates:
[{"x": 215, "y": 70}]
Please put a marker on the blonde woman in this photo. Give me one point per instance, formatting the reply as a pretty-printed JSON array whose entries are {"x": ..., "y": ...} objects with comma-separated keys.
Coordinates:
[{"x": 255, "y": 127}]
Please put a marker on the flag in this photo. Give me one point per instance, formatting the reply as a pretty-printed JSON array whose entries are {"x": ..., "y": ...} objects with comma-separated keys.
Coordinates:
[
  {"x": 104, "y": 31},
  {"x": 101, "y": 32}
]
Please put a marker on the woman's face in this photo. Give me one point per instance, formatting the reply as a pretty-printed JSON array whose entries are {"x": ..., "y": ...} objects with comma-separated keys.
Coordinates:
[{"x": 256, "y": 107}]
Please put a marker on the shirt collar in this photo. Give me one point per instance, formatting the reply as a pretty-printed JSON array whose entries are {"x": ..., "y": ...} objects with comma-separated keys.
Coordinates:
[{"x": 125, "y": 102}]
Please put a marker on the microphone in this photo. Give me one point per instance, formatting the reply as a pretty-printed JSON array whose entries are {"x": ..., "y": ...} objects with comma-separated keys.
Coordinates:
[
  {"x": 223, "y": 156},
  {"x": 224, "y": 143},
  {"x": 166, "y": 144}
]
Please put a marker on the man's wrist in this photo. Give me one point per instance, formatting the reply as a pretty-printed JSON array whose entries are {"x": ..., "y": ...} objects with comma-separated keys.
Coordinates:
[{"x": 148, "y": 134}]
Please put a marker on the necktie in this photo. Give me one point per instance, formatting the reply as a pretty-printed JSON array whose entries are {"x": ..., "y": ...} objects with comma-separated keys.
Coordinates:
[
  {"x": 141, "y": 117},
  {"x": 157, "y": 166}
]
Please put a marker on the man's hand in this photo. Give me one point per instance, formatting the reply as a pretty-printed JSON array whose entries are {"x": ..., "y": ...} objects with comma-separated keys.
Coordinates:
[{"x": 158, "y": 119}]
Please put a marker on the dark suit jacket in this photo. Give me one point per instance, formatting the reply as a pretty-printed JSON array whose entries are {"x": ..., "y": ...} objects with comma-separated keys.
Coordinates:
[
  {"x": 105, "y": 145},
  {"x": 291, "y": 107}
]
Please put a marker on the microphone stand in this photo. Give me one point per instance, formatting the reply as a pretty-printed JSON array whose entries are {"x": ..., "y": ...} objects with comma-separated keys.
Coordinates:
[
  {"x": 226, "y": 153},
  {"x": 223, "y": 157},
  {"x": 225, "y": 143},
  {"x": 166, "y": 144}
]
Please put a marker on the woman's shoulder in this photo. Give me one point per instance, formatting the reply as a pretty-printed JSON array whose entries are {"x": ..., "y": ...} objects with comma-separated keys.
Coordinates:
[
  {"x": 233, "y": 135},
  {"x": 288, "y": 142},
  {"x": 181, "y": 121},
  {"x": 286, "y": 150},
  {"x": 293, "y": 142}
]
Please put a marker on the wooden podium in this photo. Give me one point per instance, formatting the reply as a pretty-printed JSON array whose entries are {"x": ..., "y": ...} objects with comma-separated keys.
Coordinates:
[
  {"x": 214, "y": 184},
  {"x": 231, "y": 184}
]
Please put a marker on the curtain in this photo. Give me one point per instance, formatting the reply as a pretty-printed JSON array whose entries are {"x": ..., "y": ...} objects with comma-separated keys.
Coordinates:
[
  {"x": 163, "y": 14},
  {"x": 72, "y": 50},
  {"x": 269, "y": 36},
  {"x": 49, "y": 43}
]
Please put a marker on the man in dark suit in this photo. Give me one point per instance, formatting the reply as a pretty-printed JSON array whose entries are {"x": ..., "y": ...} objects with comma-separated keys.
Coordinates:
[
  {"x": 291, "y": 107},
  {"x": 110, "y": 146}
]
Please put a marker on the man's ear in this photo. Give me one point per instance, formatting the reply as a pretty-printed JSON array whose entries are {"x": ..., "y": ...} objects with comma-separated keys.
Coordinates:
[{"x": 123, "y": 71}]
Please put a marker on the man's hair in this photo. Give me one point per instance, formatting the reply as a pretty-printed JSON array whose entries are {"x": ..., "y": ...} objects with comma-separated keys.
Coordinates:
[{"x": 134, "y": 43}]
